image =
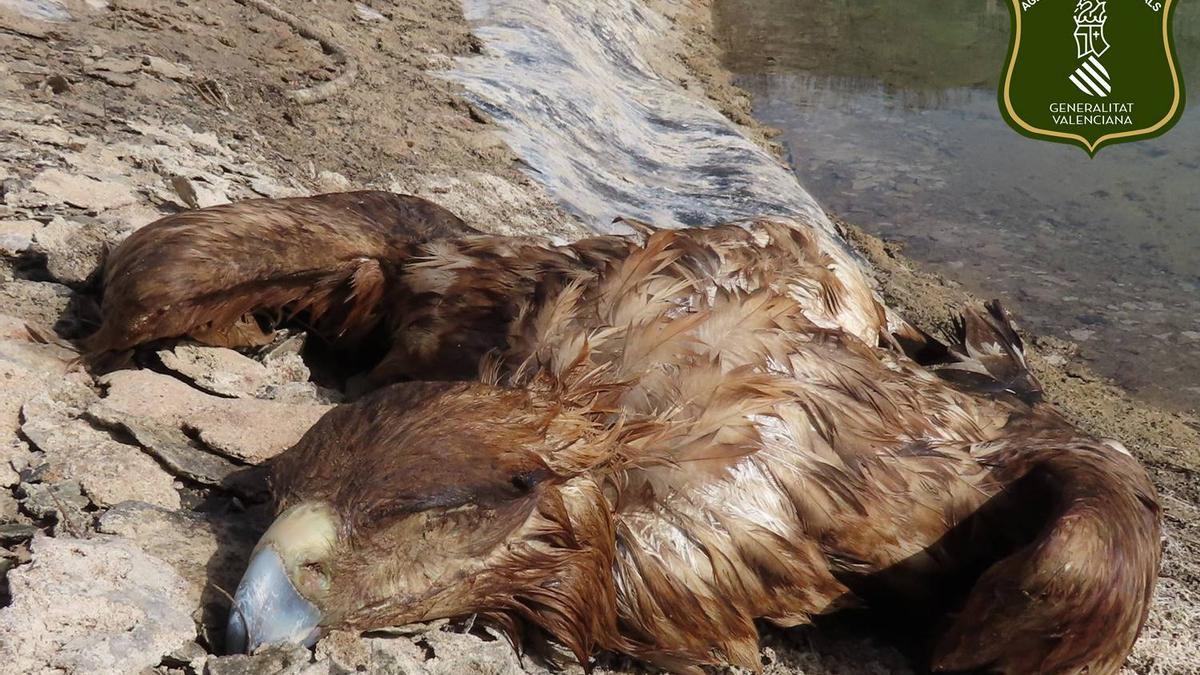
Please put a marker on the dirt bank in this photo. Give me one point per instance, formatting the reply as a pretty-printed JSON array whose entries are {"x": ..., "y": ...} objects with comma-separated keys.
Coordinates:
[{"x": 130, "y": 110}]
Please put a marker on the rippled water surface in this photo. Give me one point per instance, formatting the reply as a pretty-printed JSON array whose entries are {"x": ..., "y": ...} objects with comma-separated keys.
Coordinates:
[{"x": 888, "y": 111}]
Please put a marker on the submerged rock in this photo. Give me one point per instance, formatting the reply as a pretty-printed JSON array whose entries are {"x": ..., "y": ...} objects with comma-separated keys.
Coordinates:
[{"x": 92, "y": 605}]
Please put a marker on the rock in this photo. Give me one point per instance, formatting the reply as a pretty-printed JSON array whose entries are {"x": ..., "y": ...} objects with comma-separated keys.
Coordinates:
[
  {"x": 208, "y": 549},
  {"x": 191, "y": 655},
  {"x": 26, "y": 369},
  {"x": 299, "y": 393},
  {"x": 14, "y": 456},
  {"x": 116, "y": 64},
  {"x": 60, "y": 501},
  {"x": 44, "y": 360},
  {"x": 171, "y": 446},
  {"x": 12, "y": 328},
  {"x": 332, "y": 181},
  {"x": 1056, "y": 360},
  {"x": 441, "y": 652},
  {"x": 113, "y": 78},
  {"x": 45, "y": 134},
  {"x": 275, "y": 659},
  {"x": 94, "y": 605},
  {"x": 281, "y": 376},
  {"x": 216, "y": 370},
  {"x": 367, "y": 14},
  {"x": 28, "y": 199},
  {"x": 83, "y": 192},
  {"x": 74, "y": 251},
  {"x": 269, "y": 187},
  {"x": 346, "y": 651},
  {"x": 41, "y": 302},
  {"x": 41, "y": 10},
  {"x": 16, "y": 236},
  {"x": 13, "y": 533},
  {"x": 245, "y": 429},
  {"x": 10, "y": 512},
  {"x": 164, "y": 68},
  {"x": 109, "y": 471}
]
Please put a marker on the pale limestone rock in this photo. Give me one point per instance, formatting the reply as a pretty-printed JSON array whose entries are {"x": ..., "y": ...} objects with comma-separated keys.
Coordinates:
[
  {"x": 274, "y": 659},
  {"x": 246, "y": 429},
  {"x": 83, "y": 191},
  {"x": 16, "y": 236},
  {"x": 367, "y": 14},
  {"x": 74, "y": 251},
  {"x": 9, "y": 511},
  {"x": 204, "y": 548},
  {"x": 14, "y": 457},
  {"x": 216, "y": 370},
  {"x": 110, "y": 472},
  {"x": 167, "y": 69},
  {"x": 26, "y": 369},
  {"x": 442, "y": 652},
  {"x": 281, "y": 376},
  {"x": 177, "y": 452},
  {"x": 12, "y": 328},
  {"x": 332, "y": 181},
  {"x": 47, "y": 360},
  {"x": 269, "y": 187},
  {"x": 43, "y": 133},
  {"x": 116, "y": 64},
  {"x": 126, "y": 220},
  {"x": 96, "y": 605},
  {"x": 41, "y": 302}
]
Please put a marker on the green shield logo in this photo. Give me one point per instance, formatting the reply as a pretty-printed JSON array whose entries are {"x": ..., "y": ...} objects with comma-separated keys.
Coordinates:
[{"x": 1091, "y": 72}]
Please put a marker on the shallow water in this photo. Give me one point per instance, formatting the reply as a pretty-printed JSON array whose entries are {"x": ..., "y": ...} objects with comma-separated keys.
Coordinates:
[{"x": 888, "y": 111}]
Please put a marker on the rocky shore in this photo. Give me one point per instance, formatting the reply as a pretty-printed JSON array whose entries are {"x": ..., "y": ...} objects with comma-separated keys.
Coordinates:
[{"x": 129, "y": 500}]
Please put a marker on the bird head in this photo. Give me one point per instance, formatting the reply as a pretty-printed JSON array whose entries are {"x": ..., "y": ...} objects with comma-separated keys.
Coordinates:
[{"x": 427, "y": 501}]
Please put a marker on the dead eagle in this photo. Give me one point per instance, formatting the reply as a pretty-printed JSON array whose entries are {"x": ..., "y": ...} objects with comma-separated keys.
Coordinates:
[{"x": 670, "y": 436}]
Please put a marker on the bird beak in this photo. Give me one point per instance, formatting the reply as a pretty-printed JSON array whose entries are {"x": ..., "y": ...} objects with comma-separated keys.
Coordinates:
[{"x": 267, "y": 608}]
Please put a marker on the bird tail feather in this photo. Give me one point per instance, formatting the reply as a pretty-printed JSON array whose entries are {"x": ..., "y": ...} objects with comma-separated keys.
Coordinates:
[{"x": 1074, "y": 598}]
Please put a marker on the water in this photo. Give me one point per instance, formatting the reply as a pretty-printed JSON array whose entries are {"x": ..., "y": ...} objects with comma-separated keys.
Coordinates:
[{"x": 888, "y": 111}]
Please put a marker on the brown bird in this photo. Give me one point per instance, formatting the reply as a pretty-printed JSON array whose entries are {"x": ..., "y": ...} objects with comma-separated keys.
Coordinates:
[{"x": 643, "y": 444}]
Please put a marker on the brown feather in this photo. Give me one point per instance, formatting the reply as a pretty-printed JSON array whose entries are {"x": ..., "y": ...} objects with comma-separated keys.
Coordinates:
[{"x": 679, "y": 433}]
